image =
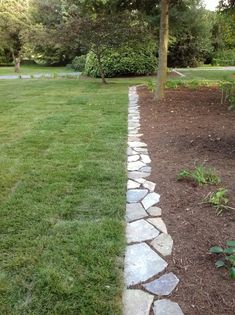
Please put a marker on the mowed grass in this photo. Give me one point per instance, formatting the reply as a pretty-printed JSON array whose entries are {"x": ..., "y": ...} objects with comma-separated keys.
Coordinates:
[
  {"x": 34, "y": 69},
  {"x": 210, "y": 74},
  {"x": 62, "y": 201}
]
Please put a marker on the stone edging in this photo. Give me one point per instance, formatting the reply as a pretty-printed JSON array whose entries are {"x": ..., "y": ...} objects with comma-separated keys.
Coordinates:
[{"x": 147, "y": 238}]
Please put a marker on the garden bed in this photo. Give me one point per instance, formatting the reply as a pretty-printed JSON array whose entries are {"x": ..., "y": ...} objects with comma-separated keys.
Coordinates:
[{"x": 188, "y": 128}]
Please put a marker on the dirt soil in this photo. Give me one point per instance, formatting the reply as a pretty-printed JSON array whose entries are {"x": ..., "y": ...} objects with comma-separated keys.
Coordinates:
[{"x": 191, "y": 127}]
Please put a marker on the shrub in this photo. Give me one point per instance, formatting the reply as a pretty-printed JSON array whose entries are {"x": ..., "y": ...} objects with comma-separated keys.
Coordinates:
[
  {"x": 228, "y": 93},
  {"x": 125, "y": 61},
  {"x": 78, "y": 63},
  {"x": 224, "y": 58}
]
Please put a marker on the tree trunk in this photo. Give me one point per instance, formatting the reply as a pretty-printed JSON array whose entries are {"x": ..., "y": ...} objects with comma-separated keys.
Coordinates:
[
  {"x": 16, "y": 61},
  {"x": 101, "y": 69},
  {"x": 163, "y": 48}
]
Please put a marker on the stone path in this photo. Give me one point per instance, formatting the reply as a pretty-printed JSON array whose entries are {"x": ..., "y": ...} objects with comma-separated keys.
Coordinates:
[
  {"x": 148, "y": 242},
  {"x": 39, "y": 75}
]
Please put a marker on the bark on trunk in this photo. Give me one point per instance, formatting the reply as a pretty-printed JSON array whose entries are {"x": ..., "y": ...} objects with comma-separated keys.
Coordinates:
[
  {"x": 16, "y": 61},
  {"x": 163, "y": 48},
  {"x": 101, "y": 70}
]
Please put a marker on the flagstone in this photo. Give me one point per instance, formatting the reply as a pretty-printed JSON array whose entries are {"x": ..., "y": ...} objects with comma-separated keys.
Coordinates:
[
  {"x": 150, "y": 200},
  {"x": 140, "y": 231}
]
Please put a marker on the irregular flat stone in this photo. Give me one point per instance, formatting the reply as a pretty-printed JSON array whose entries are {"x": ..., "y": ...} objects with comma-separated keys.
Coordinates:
[
  {"x": 137, "y": 144},
  {"x": 145, "y": 158},
  {"x": 135, "y": 166},
  {"x": 131, "y": 184},
  {"x": 155, "y": 211},
  {"x": 159, "y": 224},
  {"x": 140, "y": 231},
  {"x": 163, "y": 244},
  {"x": 133, "y": 138},
  {"x": 135, "y": 174},
  {"x": 141, "y": 263},
  {"x": 130, "y": 151},
  {"x": 141, "y": 150},
  {"x": 133, "y": 158},
  {"x": 163, "y": 285},
  {"x": 149, "y": 185},
  {"x": 146, "y": 169},
  {"x": 166, "y": 307},
  {"x": 150, "y": 200},
  {"x": 135, "y": 195},
  {"x": 140, "y": 180},
  {"x": 135, "y": 211},
  {"x": 137, "y": 302}
]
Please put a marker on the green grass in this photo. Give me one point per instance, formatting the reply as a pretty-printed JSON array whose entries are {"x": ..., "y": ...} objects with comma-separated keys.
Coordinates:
[
  {"x": 35, "y": 69},
  {"x": 215, "y": 75},
  {"x": 62, "y": 202}
]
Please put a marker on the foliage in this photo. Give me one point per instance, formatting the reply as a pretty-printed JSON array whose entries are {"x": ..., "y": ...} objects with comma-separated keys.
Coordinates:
[
  {"x": 228, "y": 93},
  {"x": 200, "y": 175},
  {"x": 219, "y": 199},
  {"x": 125, "y": 61},
  {"x": 78, "y": 63},
  {"x": 151, "y": 85},
  {"x": 227, "y": 257},
  {"x": 224, "y": 58},
  {"x": 190, "y": 41}
]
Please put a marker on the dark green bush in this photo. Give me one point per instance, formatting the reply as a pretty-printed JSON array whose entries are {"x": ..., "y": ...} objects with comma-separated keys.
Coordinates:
[
  {"x": 224, "y": 58},
  {"x": 78, "y": 63},
  {"x": 125, "y": 61}
]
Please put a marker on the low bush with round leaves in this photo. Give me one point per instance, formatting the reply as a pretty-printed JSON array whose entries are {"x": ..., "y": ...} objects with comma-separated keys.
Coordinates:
[{"x": 125, "y": 61}]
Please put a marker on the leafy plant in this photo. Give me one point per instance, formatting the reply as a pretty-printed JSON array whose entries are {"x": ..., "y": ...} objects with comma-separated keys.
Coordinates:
[
  {"x": 124, "y": 61},
  {"x": 228, "y": 93},
  {"x": 227, "y": 257},
  {"x": 151, "y": 86},
  {"x": 219, "y": 199},
  {"x": 78, "y": 63},
  {"x": 200, "y": 175}
]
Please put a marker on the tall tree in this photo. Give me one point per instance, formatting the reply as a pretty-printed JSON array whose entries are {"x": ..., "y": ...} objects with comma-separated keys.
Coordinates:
[
  {"x": 163, "y": 48},
  {"x": 14, "y": 23}
]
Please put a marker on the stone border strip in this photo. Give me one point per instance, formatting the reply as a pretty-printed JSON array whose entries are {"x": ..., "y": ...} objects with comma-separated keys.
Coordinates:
[{"x": 148, "y": 242}]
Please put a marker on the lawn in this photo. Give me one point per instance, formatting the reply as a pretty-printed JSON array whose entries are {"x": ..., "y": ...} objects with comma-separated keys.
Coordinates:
[
  {"x": 34, "y": 69},
  {"x": 210, "y": 74},
  {"x": 62, "y": 202}
]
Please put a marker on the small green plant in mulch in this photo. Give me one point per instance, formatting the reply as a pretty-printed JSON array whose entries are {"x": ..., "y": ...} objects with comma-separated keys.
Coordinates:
[
  {"x": 228, "y": 93},
  {"x": 201, "y": 175},
  {"x": 219, "y": 199},
  {"x": 226, "y": 257},
  {"x": 151, "y": 86}
]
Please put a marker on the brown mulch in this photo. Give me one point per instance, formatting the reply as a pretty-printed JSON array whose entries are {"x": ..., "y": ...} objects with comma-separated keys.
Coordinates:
[{"x": 191, "y": 127}]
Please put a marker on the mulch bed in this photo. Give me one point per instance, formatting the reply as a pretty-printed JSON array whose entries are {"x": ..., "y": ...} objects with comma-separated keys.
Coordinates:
[{"x": 188, "y": 127}]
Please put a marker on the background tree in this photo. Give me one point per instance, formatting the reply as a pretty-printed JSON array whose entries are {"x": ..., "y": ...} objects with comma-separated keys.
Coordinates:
[{"x": 14, "y": 24}]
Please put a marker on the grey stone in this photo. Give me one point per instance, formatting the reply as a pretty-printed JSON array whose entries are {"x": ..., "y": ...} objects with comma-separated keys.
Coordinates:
[
  {"x": 135, "y": 174},
  {"x": 163, "y": 244},
  {"x": 135, "y": 166},
  {"x": 131, "y": 184},
  {"x": 137, "y": 302},
  {"x": 150, "y": 200},
  {"x": 166, "y": 307},
  {"x": 146, "y": 169},
  {"x": 155, "y": 211},
  {"x": 137, "y": 144},
  {"x": 149, "y": 185},
  {"x": 141, "y": 263},
  {"x": 135, "y": 211},
  {"x": 133, "y": 138},
  {"x": 140, "y": 180},
  {"x": 145, "y": 158},
  {"x": 130, "y": 151},
  {"x": 163, "y": 285},
  {"x": 133, "y": 158},
  {"x": 142, "y": 150},
  {"x": 140, "y": 231},
  {"x": 159, "y": 224},
  {"x": 135, "y": 195}
]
